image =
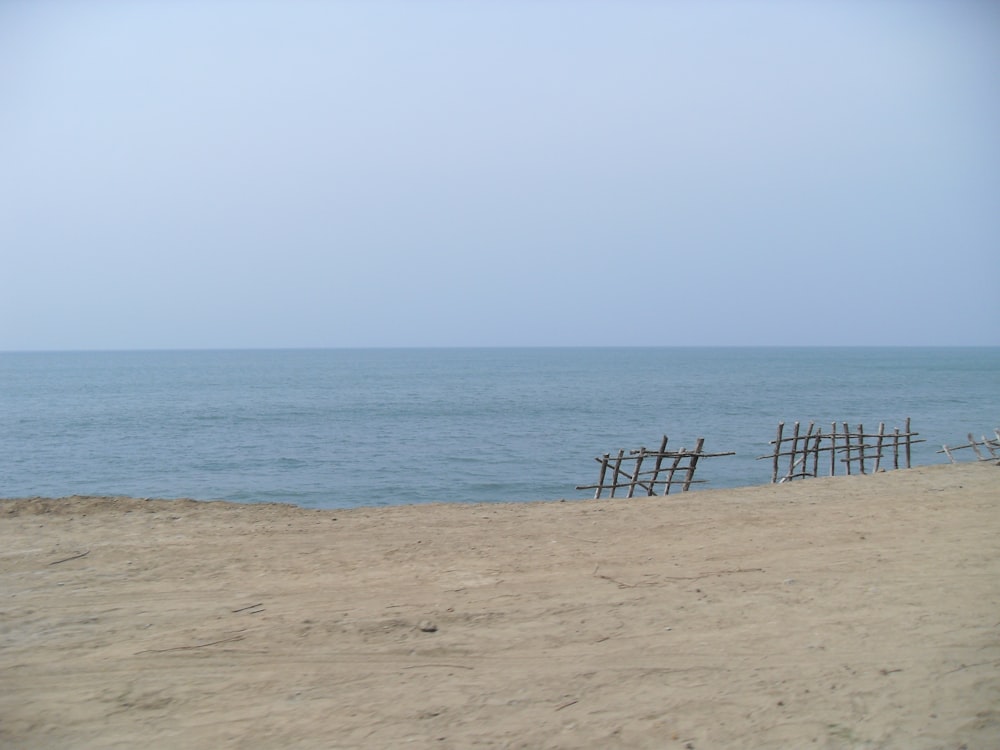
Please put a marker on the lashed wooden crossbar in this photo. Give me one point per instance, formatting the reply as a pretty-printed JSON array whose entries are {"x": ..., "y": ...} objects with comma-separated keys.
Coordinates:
[{"x": 665, "y": 465}]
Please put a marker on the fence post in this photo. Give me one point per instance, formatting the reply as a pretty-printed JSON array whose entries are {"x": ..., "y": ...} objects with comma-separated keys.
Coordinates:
[
  {"x": 861, "y": 446},
  {"x": 908, "y": 439},
  {"x": 847, "y": 440},
  {"x": 833, "y": 448},
  {"x": 616, "y": 471},
  {"x": 673, "y": 467},
  {"x": 635, "y": 476},
  {"x": 692, "y": 464},
  {"x": 604, "y": 470},
  {"x": 656, "y": 467},
  {"x": 806, "y": 450},
  {"x": 878, "y": 447},
  {"x": 817, "y": 439},
  {"x": 794, "y": 451},
  {"x": 777, "y": 452}
]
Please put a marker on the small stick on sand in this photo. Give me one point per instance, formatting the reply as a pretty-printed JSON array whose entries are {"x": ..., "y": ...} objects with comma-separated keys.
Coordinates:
[{"x": 74, "y": 557}]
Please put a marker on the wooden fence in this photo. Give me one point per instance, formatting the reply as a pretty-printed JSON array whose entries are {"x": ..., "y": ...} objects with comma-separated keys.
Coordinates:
[
  {"x": 854, "y": 449},
  {"x": 992, "y": 445},
  {"x": 626, "y": 470}
]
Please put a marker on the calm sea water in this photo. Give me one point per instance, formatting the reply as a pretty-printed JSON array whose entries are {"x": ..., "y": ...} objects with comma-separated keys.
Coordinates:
[{"x": 343, "y": 428}]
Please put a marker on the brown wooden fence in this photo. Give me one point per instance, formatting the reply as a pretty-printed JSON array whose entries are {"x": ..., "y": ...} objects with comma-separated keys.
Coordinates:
[
  {"x": 645, "y": 470},
  {"x": 990, "y": 445},
  {"x": 802, "y": 453}
]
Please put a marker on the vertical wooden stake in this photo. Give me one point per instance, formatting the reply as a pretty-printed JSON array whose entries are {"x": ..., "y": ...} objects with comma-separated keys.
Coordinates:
[
  {"x": 616, "y": 471},
  {"x": 847, "y": 439},
  {"x": 815, "y": 451},
  {"x": 975, "y": 448},
  {"x": 806, "y": 449},
  {"x": 656, "y": 467},
  {"x": 604, "y": 470},
  {"x": 861, "y": 446},
  {"x": 777, "y": 452},
  {"x": 833, "y": 448},
  {"x": 989, "y": 446},
  {"x": 878, "y": 447},
  {"x": 635, "y": 475},
  {"x": 795, "y": 449},
  {"x": 673, "y": 468},
  {"x": 693, "y": 463},
  {"x": 908, "y": 436}
]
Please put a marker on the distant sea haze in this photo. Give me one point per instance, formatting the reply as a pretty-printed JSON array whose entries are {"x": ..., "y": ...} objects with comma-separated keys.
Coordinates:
[{"x": 362, "y": 427}]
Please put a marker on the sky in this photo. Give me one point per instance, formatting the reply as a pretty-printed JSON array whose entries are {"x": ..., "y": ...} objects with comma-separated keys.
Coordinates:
[{"x": 370, "y": 173}]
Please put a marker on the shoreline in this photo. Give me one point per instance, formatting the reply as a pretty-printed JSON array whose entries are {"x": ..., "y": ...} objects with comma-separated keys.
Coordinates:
[{"x": 851, "y": 611}]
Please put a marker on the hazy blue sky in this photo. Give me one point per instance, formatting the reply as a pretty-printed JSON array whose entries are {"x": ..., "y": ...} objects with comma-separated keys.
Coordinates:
[{"x": 426, "y": 173}]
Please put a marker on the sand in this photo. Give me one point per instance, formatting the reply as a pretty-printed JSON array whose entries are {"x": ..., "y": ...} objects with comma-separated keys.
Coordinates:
[{"x": 848, "y": 612}]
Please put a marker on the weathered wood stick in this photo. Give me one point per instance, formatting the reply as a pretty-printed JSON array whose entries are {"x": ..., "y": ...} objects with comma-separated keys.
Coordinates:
[
  {"x": 795, "y": 449},
  {"x": 190, "y": 648},
  {"x": 616, "y": 471},
  {"x": 806, "y": 442},
  {"x": 878, "y": 446},
  {"x": 861, "y": 446},
  {"x": 777, "y": 448},
  {"x": 975, "y": 448},
  {"x": 990, "y": 447},
  {"x": 833, "y": 448},
  {"x": 600, "y": 480},
  {"x": 693, "y": 463},
  {"x": 671, "y": 470},
  {"x": 907, "y": 428},
  {"x": 73, "y": 557},
  {"x": 659, "y": 463},
  {"x": 847, "y": 441},
  {"x": 635, "y": 475}
]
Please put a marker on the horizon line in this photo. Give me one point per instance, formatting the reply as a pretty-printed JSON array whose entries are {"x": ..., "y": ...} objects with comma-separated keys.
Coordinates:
[{"x": 390, "y": 347}]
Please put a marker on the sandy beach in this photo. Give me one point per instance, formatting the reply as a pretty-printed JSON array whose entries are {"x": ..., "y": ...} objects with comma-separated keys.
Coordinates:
[{"x": 848, "y": 612}]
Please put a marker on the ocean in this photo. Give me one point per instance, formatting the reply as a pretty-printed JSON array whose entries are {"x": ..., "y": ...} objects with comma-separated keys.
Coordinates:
[{"x": 342, "y": 428}]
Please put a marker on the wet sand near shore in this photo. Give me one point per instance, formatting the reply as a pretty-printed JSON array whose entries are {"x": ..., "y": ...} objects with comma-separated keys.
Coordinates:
[{"x": 847, "y": 612}]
